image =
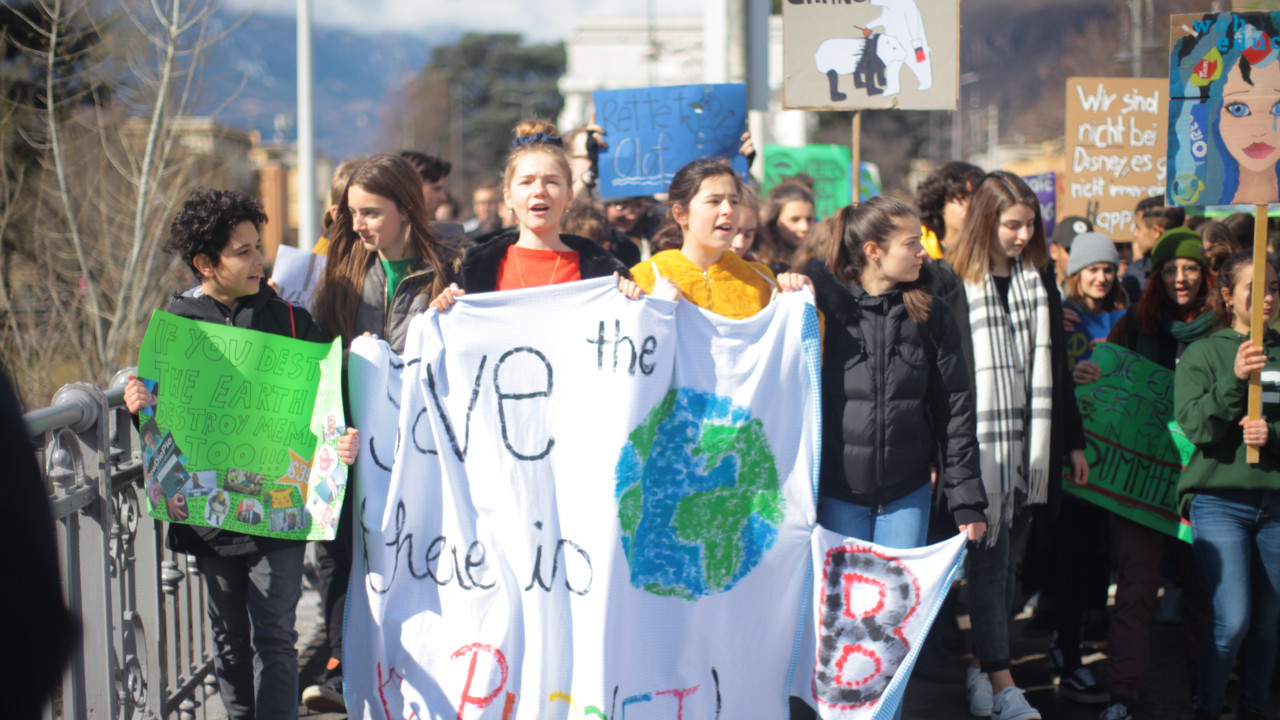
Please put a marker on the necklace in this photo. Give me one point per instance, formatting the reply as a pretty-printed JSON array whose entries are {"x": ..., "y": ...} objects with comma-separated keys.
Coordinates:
[{"x": 515, "y": 253}]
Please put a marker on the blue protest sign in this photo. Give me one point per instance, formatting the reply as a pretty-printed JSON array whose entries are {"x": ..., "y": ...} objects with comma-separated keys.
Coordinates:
[
  {"x": 1090, "y": 329},
  {"x": 653, "y": 132}
]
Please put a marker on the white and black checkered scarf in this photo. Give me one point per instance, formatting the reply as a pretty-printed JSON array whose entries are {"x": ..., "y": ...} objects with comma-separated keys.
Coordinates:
[{"x": 1012, "y": 362}]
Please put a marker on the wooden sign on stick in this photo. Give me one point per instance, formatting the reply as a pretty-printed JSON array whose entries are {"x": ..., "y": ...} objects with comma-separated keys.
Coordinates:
[{"x": 1224, "y": 141}]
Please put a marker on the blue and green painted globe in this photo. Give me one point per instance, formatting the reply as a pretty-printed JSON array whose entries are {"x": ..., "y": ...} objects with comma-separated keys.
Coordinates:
[{"x": 698, "y": 496}]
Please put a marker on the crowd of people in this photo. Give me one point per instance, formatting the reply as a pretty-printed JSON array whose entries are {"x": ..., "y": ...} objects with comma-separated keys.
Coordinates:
[{"x": 953, "y": 309}]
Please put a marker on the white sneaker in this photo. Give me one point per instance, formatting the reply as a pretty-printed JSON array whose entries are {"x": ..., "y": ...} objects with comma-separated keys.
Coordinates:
[
  {"x": 979, "y": 687},
  {"x": 1010, "y": 704}
]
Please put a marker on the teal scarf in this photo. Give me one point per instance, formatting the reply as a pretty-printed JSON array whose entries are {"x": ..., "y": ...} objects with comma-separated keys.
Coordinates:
[{"x": 1148, "y": 346}]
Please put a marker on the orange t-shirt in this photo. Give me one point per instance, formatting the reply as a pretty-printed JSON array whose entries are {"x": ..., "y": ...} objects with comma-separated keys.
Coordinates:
[{"x": 527, "y": 268}]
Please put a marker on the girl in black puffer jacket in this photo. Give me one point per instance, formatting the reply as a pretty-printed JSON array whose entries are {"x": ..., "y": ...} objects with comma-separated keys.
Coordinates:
[
  {"x": 896, "y": 393},
  {"x": 895, "y": 386}
]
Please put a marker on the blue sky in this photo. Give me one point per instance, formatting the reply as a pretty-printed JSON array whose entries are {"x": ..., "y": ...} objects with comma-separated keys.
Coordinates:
[{"x": 538, "y": 20}]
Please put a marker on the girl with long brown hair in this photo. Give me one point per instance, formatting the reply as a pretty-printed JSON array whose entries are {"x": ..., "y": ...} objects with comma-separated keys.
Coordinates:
[
  {"x": 384, "y": 267},
  {"x": 787, "y": 221},
  {"x": 384, "y": 264},
  {"x": 1011, "y": 330}
]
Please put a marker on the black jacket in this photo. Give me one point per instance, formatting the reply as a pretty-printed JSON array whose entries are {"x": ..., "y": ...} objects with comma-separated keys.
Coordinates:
[
  {"x": 1067, "y": 433},
  {"x": 263, "y": 311},
  {"x": 480, "y": 266},
  {"x": 896, "y": 398}
]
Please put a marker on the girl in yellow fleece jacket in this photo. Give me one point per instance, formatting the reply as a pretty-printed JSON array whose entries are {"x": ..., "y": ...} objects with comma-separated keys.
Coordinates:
[{"x": 704, "y": 198}]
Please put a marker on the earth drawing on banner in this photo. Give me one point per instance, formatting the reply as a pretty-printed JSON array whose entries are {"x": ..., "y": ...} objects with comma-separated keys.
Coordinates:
[{"x": 698, "y": 496}]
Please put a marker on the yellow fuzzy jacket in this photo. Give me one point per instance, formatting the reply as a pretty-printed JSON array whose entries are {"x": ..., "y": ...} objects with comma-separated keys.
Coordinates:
[{"x": 732, "y": 287}]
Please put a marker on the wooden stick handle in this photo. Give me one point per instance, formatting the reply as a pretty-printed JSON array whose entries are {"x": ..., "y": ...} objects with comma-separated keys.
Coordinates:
[
  {"x": 855, "y": 149},
  {"x": 1256, "y": 329}
]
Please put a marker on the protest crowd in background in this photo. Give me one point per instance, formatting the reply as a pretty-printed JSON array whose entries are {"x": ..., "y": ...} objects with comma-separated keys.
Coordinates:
[{"x": 955, "y": 334}]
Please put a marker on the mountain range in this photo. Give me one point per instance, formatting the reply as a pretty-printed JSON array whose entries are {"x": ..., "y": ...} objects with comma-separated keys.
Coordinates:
[{"x": 249, "y": 80}]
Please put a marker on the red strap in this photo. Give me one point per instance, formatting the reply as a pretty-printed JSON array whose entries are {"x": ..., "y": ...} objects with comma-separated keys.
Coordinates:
[{"x": 293, "y": 328}]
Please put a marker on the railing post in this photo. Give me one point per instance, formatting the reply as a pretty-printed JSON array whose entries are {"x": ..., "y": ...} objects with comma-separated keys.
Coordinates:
[
  {"x": 77, "y": 465},
  {"x": 146, "y": 650}
]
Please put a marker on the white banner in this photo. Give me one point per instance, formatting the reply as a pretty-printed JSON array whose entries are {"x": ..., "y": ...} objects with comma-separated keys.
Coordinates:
[
  {"x": 872, "y": 607},
  {"x": 583, "y": 506},
  {"x": 297, "y": 273}
]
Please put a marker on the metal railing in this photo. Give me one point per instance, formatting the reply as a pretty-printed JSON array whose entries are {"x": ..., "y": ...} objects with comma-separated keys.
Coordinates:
[{"x": 147, "y": 650}]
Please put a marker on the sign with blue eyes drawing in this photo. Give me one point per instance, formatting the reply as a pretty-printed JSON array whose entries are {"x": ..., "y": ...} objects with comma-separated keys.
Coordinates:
[{"x": 1224, "y": 109}]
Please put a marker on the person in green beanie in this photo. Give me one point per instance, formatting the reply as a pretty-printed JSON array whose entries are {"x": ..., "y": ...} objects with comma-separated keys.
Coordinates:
[
  {"x": 1171, "y": 313},
  {"x": 1234, "y": 506}
]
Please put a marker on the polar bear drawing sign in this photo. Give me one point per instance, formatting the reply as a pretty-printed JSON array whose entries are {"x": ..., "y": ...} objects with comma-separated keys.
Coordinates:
[{"x": 870, "y": 54}]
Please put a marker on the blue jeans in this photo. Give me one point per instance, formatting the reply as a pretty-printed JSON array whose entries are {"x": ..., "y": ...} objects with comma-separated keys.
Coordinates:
[
  {"x": 900, "y": 524},
  {"x": 1237, "y": 550},
  {"x": 252, "y": 602},
  {"x": 992, "y": 589}
]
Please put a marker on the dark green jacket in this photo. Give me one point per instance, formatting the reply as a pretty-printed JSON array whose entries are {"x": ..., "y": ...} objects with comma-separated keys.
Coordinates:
[{"x": 1208, "y": 403}]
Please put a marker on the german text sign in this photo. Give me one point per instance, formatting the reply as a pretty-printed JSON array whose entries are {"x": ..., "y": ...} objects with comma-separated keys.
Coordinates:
[
  {"x": 243, "y": 434},
  {"x": 653, "y": 132},
  {"x": 1224, "y": 85},
  {"x": 1115, "y": 150},
  {"x": 882, "y": 54},
  {"x": 1134, "y": 462}
]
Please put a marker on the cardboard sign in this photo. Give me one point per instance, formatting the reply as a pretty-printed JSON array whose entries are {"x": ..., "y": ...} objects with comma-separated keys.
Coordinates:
[
  {"x": 828, "y": 165},
  {"x": 297, "y": 272},
  {"x": 244, "y": 432},
  {"x": 1134, "y": 461},
  {"x": 653, "y": 132},
  {"x": 1045, "y": 187},
  {"x": 880, "y": 54},
  {"x": 1115, "y": 150},
  {"x": 1224, "y": 83}
]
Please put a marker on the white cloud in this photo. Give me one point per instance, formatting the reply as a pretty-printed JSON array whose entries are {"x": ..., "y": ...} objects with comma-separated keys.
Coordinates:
[{"x": 537, "y": 20}]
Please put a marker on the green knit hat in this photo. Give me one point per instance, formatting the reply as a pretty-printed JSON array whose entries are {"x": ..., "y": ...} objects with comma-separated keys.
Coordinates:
[{"x": 1179, "y": 242}]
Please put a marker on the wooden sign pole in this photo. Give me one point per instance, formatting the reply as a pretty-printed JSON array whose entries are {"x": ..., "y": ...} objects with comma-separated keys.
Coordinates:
[
  {"x": 856, "y": 151},
  {"x": 1257, "y": 293}
]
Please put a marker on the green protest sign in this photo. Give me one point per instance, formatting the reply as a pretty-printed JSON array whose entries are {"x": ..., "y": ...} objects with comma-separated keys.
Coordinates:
[
  {"x": 830, "y": 167},
  {"x": 1130, "y": 444},
  {"x": 243, "y": 434}
]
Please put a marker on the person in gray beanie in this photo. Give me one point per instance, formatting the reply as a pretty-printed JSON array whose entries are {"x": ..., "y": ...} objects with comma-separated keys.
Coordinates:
[
  {"x": 1089, "y": 248},
  {"x": 1091, "y": 287}
]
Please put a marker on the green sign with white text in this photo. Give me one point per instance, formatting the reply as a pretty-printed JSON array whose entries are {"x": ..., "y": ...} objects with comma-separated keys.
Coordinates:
[
  {"x": 1130, "y": 443},
  {"x": 243, "y": 433}
]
